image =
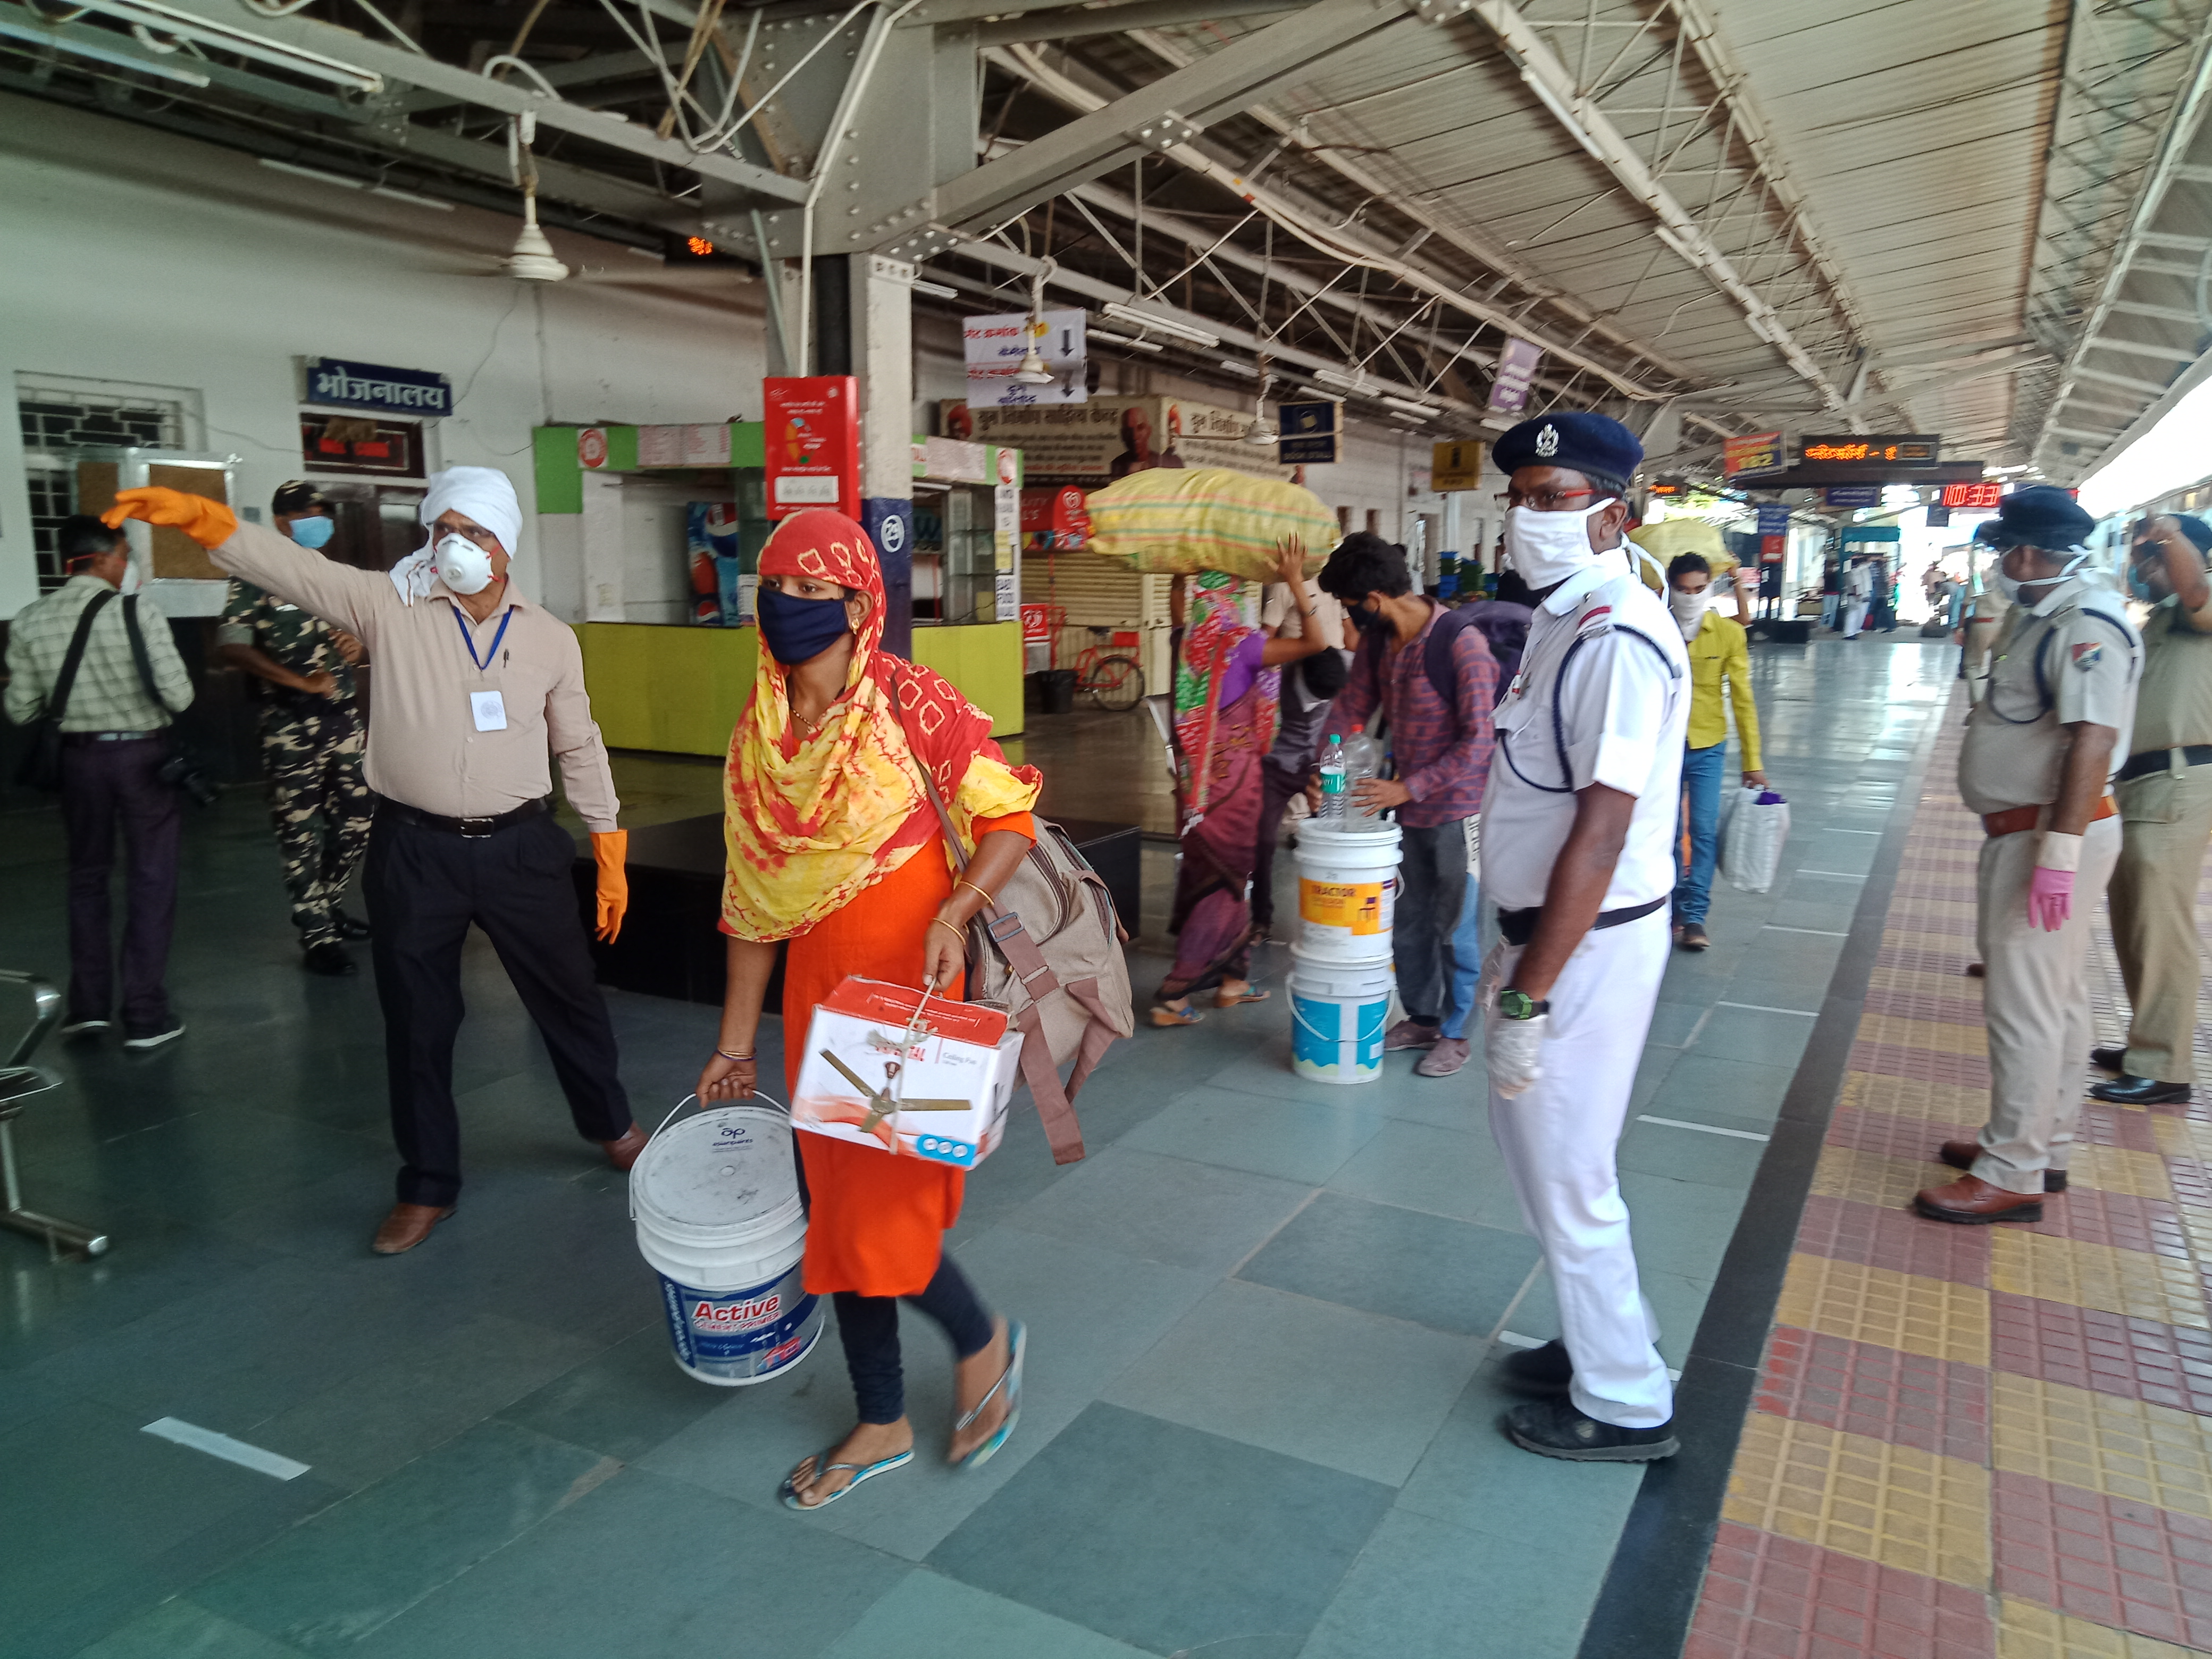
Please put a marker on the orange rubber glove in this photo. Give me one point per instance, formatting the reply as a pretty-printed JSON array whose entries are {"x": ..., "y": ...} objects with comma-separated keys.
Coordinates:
[
  {"x": 209, "y": 523},
  {"x": 608, "y": 850}
]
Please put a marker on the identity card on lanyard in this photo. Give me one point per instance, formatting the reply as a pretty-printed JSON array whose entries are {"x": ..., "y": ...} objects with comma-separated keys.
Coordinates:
[{"x": 488, "y": 708}]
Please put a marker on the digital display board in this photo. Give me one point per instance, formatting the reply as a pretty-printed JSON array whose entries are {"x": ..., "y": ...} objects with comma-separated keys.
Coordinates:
[
  {"x": 1874, "y": 446},
  {"x": 1985, "y": 495}
]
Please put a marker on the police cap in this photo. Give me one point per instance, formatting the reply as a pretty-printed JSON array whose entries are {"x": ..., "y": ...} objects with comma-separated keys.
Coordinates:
[
  {"x": 1598, "y": 446},
  {"x": 2039, "y": 516}
]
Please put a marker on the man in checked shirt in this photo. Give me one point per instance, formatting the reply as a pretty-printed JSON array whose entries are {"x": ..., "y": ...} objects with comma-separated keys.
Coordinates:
[{"x": 1431, "y": 676}]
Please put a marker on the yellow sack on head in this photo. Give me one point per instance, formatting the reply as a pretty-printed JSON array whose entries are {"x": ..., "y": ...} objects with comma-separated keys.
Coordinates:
[
  {"x": 1171, "y": 520},
  {"x": 1670, "y": 537}
]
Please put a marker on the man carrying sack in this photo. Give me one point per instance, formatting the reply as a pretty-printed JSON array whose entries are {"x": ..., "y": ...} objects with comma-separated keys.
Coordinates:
[{"x": 474, "y": 686}]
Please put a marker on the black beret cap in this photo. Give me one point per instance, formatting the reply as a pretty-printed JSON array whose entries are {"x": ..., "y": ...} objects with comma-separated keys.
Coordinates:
[{"x": 2039, "y": 516}]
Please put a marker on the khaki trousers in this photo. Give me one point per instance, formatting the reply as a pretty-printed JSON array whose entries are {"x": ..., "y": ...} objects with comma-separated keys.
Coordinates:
[
  {"x": 2035, "y": 998},
  {"x": 2164, "y": 824}
]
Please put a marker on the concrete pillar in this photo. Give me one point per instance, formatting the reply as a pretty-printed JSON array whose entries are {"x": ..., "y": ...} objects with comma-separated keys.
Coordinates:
[{"x": 882, "y": 334}]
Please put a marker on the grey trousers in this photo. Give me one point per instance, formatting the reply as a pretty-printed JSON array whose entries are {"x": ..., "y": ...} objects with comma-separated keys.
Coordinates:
[
  {"x": 2035, "y": 998},
  {"x": 2165, "y": 824},
  {"x": 1432, "y": 887}
]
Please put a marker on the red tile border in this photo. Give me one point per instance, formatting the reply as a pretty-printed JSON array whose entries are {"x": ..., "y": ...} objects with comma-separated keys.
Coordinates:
[
  {"x": 1934, "y": 1405},
  {"x": 1844, "y": 1230},
  {"x": 1768, "y": 1596},
  {"x": 2085, "y": 1348},
  {"x": 2124, "y": 1564}
]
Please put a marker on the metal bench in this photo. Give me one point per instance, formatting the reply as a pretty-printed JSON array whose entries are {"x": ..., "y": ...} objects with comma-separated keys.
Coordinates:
[{"x": 19, "y": 1081}]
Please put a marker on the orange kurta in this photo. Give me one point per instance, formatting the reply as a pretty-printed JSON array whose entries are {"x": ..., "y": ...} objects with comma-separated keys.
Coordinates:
[{"x": 877, "y": 1222}]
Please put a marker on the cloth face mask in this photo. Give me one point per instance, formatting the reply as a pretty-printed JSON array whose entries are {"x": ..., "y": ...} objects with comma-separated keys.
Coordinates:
[
  {"x": 462, "y": 565},
  {"x": 1689, "y": 608},
  {"x": 2010, "y": 585},
  {"x": 313, "y": 532},
  {"x": 798, "y": 631},
  {"x": 1548, "y": 548}
]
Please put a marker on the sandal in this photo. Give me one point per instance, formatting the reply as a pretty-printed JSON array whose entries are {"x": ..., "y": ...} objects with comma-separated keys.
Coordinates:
[
  {"x": 1011, "y": 1380},
  {"x": 789, "y": 1490},
  {"x": 1250, "y": 993},
  {"x": 1163, "y": 1015}
]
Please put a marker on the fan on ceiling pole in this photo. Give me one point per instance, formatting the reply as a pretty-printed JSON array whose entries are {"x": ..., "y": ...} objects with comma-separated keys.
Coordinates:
[{"x": 532, "y": 259}]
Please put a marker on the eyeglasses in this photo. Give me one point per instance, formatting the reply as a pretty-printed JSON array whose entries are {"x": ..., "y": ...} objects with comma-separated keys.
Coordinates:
[{"x": 1544, "y": 501}]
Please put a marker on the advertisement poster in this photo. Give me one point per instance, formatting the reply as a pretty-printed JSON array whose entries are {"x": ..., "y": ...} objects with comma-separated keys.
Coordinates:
[
  {"x": 994, "y": 347},
  {"x": 1760, "y": 451},
  {"x": 683, "y": 446},
  {"x": 721, "y": 597},
  {"x": 1517, "y": 373},
  {"x": 813, "y": 443},
  {"x": 1092, "y": 444}
]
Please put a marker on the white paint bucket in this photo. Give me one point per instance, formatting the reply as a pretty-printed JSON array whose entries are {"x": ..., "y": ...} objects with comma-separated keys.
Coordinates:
[
  {"x": 1339, "y": 1011},
  {"x": 1347, "y": 889},
  {"x": 715, "y": 1199}
]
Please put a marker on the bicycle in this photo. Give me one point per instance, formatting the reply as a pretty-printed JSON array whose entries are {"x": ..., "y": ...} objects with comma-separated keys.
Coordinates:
[{"x": 1113, "y": 679}]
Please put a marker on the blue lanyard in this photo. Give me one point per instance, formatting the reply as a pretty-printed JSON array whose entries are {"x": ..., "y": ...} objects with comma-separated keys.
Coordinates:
[{"x": 469, "y": 638}]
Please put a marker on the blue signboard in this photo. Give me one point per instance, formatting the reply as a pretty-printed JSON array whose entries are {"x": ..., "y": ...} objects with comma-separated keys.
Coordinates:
[
  {"x": 1853, "y": 495},
  {"x": 1309, "y": 432},
  {"x": 388, "y": 391},
  {"x": 1773, "y": 519}
]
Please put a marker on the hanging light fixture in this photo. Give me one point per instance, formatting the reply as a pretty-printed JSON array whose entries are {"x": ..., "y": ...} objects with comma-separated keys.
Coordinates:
[
  {"x": 532, "y": 259},
  {"x": 1032, "y": 371}
]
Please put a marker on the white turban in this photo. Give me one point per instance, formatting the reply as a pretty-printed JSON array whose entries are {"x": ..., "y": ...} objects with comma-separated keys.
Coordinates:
[{"x": 484, "y": 494}]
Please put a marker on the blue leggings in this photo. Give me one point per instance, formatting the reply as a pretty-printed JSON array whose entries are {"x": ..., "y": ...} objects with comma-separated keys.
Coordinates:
[{"x": 1703, "y": 770}]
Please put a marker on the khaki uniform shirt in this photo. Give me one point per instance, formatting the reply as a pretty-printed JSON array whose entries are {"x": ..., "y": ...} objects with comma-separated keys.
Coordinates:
[
  {"x": 2174, "y": 708},
  {"x": 2071, "y": 657},
  {"x": 427, "y": 748}
]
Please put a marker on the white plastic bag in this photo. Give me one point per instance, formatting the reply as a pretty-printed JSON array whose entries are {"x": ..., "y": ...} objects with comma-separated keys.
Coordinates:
[{"x": 1751, "y": 846}]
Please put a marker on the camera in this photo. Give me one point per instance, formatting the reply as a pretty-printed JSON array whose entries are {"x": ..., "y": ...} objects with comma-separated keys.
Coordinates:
[{"x": 181, "y": 771}]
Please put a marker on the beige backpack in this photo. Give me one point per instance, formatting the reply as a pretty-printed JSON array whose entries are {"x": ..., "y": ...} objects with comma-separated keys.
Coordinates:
[{"x": 1049, "y": 953}]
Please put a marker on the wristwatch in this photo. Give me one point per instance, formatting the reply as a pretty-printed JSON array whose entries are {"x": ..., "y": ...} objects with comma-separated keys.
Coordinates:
[{"x": 1519, "y": 1005}]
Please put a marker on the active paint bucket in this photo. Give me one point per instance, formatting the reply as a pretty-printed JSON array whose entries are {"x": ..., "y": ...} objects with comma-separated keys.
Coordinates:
[
  {"x": 1338, "y": 1011},
  {"x": 716, "y": 1202},
  {"x": 1347, "y": 889}
]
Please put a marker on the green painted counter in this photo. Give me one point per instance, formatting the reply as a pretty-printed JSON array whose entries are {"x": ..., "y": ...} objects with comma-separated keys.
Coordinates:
[{"x": 679, "y": 690}]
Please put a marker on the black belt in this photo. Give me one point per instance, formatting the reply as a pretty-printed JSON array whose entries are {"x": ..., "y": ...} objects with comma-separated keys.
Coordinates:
[
  {"x": 2157, "y": 760},
  {"x": 1519, "y": 926},
  {"x": 86, "y": 739},
  {"x": 474, "y": 828}
]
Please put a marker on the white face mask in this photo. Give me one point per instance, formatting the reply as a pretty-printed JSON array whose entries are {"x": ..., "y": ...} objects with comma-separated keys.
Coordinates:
[
  {"x": 462, "y": 565},
  {"x": 2009, "y": 586},
  {"x": 1689, "y": 608},
  {"x": 1548, "y": 548}
]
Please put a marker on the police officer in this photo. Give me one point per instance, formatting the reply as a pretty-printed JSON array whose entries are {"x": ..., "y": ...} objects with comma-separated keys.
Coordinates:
[
  {"x": 2040, "y": 750},
  {"x": 1578, "y": 855},
  {"x": 2164, "y": 792},
  {"x": 311, "y": 738}
]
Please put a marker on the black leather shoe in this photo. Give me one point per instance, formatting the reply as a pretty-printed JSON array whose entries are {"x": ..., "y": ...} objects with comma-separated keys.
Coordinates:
[
  {"x": 2126, "y": 1090},
  {"x": 1554, "y": 1428},
  {"x": 2110, "y": 1060},
  {"x": 350, "y": 928},
  {"x": 328, "y": 958},
  {"x": 1545, "y": 1370}
]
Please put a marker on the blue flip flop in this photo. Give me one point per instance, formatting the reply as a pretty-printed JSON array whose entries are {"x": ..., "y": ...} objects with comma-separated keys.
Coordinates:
[
  {"x": 1018, "y": 1337},
  {"x": 789, "y": 1493}
]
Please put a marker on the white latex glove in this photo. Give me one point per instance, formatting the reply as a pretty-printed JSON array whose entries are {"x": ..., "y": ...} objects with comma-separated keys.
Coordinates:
[
  {"x": 1497, "y": 968},
  {"x": 1513, "y": 1050}
]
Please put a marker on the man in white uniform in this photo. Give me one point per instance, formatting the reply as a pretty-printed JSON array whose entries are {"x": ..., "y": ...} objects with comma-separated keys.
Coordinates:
[
  {"x": 1577, "y": 855},
  {"x": 1858, "y": 594}
]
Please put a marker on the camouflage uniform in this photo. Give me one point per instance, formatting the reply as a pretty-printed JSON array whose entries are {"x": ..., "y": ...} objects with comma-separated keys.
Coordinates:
[{"x": 311, "y": 749}]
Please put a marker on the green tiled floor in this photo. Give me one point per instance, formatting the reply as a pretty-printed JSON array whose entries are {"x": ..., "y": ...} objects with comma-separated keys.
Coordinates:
[{"x": 1259, "y": 1418}]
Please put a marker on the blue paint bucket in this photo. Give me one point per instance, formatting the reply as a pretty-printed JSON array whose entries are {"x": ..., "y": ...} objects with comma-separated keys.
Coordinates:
[
  {"x": 716, "y": 1203},
  {"x": 1338, "y": 1013}
]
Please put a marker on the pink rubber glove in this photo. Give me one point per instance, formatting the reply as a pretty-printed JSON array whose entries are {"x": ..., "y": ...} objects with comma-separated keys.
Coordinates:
[{"x": 2049, "y": 898}]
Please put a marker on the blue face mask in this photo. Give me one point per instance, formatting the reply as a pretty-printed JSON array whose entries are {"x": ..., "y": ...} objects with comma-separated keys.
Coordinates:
[
  {"x": 313, "y": 532},
  {"x": 799, "y": 630},
  {"x": 2141, "y": 588}
]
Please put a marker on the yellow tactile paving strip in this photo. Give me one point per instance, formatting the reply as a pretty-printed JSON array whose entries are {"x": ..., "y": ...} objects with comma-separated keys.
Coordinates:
[
  {"x": 2103, "y": 1443},
  {"x": 2026, "y": 1631},
  {"x": 2132, "y": 1283},
  {"x": 2182, "y": 1137},
  {"x": 1941, "y": 1037},
  {"x": 1873, "y": 1178},
  {"x": 2118, "y": 1169},
  {"x": 1863, "y": 1497},
  {"x": 1891, "y": 1310},
  {"x": 1921, "y": 1099}
]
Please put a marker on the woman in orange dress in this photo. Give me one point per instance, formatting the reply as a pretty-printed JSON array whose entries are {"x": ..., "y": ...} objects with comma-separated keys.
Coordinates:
[{"x": 833, "y": 845}]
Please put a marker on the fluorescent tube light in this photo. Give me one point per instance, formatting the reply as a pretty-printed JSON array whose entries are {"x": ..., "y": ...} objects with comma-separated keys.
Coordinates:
[
  {"x": 80, "y": 48},
  {"x": 1406, "y": 406},
  {"x": 315, "y": 173},
  {"x": 1163, "y": 325},
  {"x": 409, "y": 198},
  {"x": 938, "y": 288},
  {"x": 1250, "y": 371},
  {"x": 1338, "y": 378},
  {"x": 1112, "y": 338}
]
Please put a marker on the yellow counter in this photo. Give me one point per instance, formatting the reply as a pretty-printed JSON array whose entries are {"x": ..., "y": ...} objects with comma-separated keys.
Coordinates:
[{"x": 679, "y": 691}]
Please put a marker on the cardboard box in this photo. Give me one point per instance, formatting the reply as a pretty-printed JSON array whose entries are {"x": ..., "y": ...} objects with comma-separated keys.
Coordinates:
[{"x": 941, "y": 1094}]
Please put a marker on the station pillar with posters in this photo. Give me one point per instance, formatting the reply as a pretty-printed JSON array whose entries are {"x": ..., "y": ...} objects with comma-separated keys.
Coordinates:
[{"x": 882, "y": 301}]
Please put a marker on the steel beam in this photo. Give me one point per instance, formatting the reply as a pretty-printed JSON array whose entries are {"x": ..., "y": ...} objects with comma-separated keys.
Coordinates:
[
  {"x": 2141, "y": 348},
  {"x": 1220, "y": 83},
  {"x": 396, "y": 65},
  {"x": 1073, "y": 22}
]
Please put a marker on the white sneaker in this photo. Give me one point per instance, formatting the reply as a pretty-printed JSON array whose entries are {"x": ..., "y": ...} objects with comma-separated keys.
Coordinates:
[
  {"x": 84, "y": 1027},
  {"x": 154, "y": 1039}
]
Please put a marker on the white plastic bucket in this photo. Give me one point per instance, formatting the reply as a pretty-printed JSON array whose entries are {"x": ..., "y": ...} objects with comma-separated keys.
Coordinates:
[
  {"x": 1339, "y": 1011},
  {"x": 1347, "y": 889},
  {"x": 716, "y": 1198}
]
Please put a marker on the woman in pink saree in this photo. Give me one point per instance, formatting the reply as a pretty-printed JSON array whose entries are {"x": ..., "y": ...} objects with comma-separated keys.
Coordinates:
[{"x": 1227, "y": 676}]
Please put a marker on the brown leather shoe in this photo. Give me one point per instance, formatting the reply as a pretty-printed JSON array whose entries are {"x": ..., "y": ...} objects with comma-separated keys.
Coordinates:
[
  {"x": 623, "y": 1152},
  {"x": 1961, "y": 1154},
  {"x": 408, "y": 1225},
  {"x": 1972, "y": 1200}
]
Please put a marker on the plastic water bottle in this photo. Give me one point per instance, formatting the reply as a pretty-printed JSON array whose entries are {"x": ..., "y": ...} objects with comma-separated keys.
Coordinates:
[
  {"x": 1362, "y": 759},
  {"x": 1334, "y": 782}
]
